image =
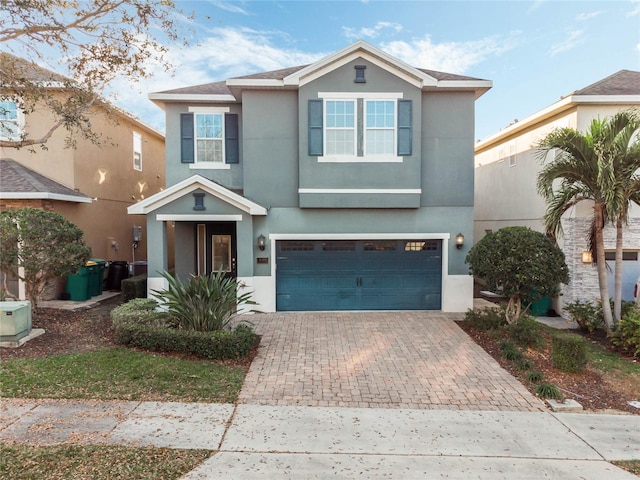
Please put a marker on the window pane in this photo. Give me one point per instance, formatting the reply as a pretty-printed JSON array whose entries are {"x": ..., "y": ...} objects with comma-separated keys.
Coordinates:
[
  {"x": 209, "y": 150},
  {"x": 380, "y": 142},
  {"x": 209, "y": 126},
  {"x": 8, "y": 111},
  {"x": 380, "y": 114},
  {"x": 221, "y": 253},
  {"x": 340, "y": 142}
]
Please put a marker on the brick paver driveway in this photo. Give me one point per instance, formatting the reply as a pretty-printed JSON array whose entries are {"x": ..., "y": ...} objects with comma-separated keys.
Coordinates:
[{"x": 377, "y": 359}]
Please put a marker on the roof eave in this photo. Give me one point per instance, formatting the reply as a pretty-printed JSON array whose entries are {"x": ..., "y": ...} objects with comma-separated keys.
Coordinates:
[{"x": 44, "y": 196}]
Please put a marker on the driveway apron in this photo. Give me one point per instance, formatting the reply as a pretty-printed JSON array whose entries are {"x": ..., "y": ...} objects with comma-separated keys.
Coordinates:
[{"x": 408, "y": 359}]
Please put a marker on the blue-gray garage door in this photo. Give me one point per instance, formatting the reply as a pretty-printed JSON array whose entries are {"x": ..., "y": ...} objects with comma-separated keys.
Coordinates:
[{"x": 358, "y": 275}]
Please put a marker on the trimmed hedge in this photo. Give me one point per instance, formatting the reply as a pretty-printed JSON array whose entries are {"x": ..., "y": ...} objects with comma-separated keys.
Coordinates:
[
  {"x": 568, "y": 352},
  {"x": 139, "y": 324},
  {"x": 134, "y": 287}
]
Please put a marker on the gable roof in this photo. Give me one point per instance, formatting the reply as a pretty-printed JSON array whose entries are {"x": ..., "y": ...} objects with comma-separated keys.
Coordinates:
[
  {"x": 187, "y": 186},
  {"x": 621, "y": 88},
  {"x": 20, "y": 182},
  {"x": 230, "y": 90}
]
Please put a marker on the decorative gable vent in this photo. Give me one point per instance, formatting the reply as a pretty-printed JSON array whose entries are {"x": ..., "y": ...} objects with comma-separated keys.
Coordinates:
[{"x": 360, "y": 74}]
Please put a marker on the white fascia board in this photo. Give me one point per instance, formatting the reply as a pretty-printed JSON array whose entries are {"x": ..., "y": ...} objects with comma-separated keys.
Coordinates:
[
  {"x": 44, "y": 196},
  {"x": 359, "y": 49},
  {"x": 417, "y": 191},
  {"x": 554, "y": 109},
  {"x": 187, "y": 186},
  {"x": 190, "y": 97},
  {"x": 258, "y": 82},
  {"x": 359, "y": 236},
  {"x": 180, "y": 217}
]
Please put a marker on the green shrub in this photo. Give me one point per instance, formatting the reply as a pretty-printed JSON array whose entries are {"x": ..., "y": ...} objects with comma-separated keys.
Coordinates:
[
  {"x": 486, "y": 319},
  {"x": 140, "y": 323},
  {"x": 205, "y": 303},
  {"x": 548, "y": 390},
  {"x": 217, "y": 345},
  {"x": 525, "y": 332},
  {"x": 134, "y": 287},
  {"x": 535, "y": 376},
  {"x": 588, "y": 316},
  {"x": 141, "y": 311},
  {"x": 524, "y": 364},
  {"x": 568, "y": 352},
  {"x": 627, "y": 333},
  {"x": 510, "y": 351}
]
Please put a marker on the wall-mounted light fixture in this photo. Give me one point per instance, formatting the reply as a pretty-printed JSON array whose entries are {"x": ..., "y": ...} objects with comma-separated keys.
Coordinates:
[
  {"x": 459, "y": 241},
  {"x": 587, "y": 257},
  {"x": 261, "y": 242}
]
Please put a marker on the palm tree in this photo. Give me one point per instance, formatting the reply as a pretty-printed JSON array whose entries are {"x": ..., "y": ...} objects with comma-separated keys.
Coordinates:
[{"x": 600, "y": 166}]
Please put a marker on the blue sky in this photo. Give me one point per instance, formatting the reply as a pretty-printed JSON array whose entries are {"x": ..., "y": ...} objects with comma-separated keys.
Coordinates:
[{"x": 533, "y": 51}]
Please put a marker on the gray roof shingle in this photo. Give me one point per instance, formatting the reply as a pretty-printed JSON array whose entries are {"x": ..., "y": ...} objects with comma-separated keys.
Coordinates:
[
  {"x": 16, "y": 178},
  {"x": 624, "y": 82}
]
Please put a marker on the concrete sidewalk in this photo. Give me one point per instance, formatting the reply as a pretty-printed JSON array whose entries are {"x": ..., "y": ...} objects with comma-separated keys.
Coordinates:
[{"x": 260, "y": 441}]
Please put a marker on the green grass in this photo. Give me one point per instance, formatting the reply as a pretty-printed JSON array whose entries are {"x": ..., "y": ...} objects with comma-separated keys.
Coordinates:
[
  {"x": 23, "y": 462},
  {"x": 612, "y": 363},
  {"x": 121, "y": 374}
]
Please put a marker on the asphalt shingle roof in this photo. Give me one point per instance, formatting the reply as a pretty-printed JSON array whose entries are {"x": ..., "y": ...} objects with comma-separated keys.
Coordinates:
[
  {"x": 624, "y": 82},
  {"x": 16, "y": 178},
  {"x": 220, "y": 88}
]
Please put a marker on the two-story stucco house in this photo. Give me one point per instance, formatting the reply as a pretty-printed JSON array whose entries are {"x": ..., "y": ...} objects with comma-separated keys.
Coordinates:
[
  {"x": 340, "y": 185},
  {"x": 506, "y": 175},
  {"x": 91, "y": 184}
]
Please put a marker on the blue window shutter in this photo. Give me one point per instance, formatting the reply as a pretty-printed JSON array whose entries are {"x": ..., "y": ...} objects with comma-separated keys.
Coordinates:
[
  {"x": 231, "y": 138},
  {"x": 405, "y": 127},
  {"x": 186, "y": 138},
  {"x": 315, "y": 128}
]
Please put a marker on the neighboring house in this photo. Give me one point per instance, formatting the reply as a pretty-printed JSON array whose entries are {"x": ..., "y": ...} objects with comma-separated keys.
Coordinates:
[
  {"x": 339, "y": 185},
  {"x": 90, "y": 185},
  {"x": 506, "y": 175}
]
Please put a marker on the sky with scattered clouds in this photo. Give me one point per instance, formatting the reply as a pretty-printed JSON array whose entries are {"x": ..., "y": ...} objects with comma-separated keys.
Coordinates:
[{"x": 533, "y": 51}]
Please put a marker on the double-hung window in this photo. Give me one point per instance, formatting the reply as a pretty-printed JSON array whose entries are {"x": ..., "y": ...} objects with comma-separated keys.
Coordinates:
[
  {"x": 209, "y": 137},
  {"x": 137, "y": 151},
  {"x": 361, "y": 127},
  {"x": 341, "y": 127},
  {"x": 209, "y": 146},
  {"x": 380, "y": 127},
  {"x": 10, "y": 120}
]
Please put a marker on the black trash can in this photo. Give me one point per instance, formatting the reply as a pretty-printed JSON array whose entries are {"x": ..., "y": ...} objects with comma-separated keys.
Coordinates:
[{"x": 118, "y": 271}]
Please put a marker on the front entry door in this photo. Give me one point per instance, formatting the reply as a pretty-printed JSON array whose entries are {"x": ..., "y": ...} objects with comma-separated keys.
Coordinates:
[{"x": 217, "y": 247}]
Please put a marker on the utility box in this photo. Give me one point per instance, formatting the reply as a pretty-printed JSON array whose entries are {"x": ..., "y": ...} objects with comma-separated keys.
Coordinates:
[{"x": 15, "y": 321}]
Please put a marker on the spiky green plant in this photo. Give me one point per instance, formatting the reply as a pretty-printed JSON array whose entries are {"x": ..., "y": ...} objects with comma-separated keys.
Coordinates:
[
  {"x": 548, "y": 390},
  {"x": 204, "y": 303}
]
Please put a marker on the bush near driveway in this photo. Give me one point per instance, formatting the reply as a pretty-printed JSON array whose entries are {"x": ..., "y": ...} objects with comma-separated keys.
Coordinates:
[{"x": 139, "y": 324}]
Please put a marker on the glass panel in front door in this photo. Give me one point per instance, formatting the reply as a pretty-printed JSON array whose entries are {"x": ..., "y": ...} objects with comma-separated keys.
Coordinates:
[{"x": 221, "y": 253}]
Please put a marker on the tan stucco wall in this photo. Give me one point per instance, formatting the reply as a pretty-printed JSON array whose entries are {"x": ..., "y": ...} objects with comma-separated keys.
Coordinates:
[{"x": 104, "y": 172}]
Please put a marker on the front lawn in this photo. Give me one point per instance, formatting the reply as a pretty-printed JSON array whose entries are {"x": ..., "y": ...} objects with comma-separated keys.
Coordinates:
[
  {"x": 118, "y": 373},
  {"x": 24, "y": 462}
]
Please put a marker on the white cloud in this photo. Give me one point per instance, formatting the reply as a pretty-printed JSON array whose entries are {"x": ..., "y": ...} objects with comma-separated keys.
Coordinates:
[
  {"x": 574, "y": 38},
  {"x": 370, "y": 32},
  {"x": 228, "y": 6},
  {"x": 587, "y": 16},
  {"x": 453, "y": 57},
  {"x": 636, "y": 9}
]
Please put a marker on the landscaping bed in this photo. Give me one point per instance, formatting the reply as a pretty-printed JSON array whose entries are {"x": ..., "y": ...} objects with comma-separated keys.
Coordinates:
[{"x": 609, "y": 381}]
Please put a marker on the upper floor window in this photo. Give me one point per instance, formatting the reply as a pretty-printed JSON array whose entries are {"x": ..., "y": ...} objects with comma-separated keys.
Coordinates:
[
  {"x": 209, "y": 138},
  {"x": 11, "y": 120},
  {"x": 369, "y": 128},
  {"x": 137, "y": 151}
]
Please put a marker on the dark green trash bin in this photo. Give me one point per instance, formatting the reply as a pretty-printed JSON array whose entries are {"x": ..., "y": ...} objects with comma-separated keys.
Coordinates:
[
  {"x": 77, "y": 285},
  {"x": 96, "y": 279},
  {"x": 540, "y": 307}
]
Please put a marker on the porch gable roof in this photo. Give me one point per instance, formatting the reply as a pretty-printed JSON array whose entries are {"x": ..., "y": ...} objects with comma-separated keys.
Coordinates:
[{"x": 187, "y": 186}]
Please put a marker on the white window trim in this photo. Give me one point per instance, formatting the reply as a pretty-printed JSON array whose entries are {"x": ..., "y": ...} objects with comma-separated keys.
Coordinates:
[
  {"x": 341, "y": 96},
  {"x": 208, "y": 165},
  {"x": 137, "y": 141},
  {"x": 20, "y": 124},
  {"x": 201, "y": 164}
]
